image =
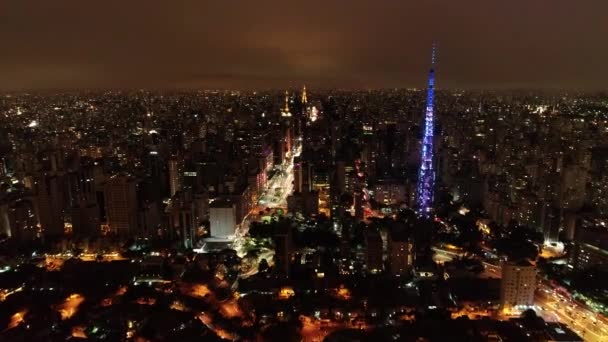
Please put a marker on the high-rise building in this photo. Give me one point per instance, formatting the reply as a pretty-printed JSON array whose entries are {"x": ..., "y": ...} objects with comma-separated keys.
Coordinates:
[
  {"x": 120, "y": 194},
  {"x": 517, "y": 285},
  {"x": 305, "y": 203},
  {"x": 572, "y": 187},
  {"x": 200, "y": 201},
  {"x": 18, "y": 219},
  {"x": 340, "y": 178},
  {"x": 282, "y": 250},
  {"x": 297, "y": 174},
  {"x": 390, "y": 191},
  {"x": 222, "y": 217},
  {"x": 358, "y": 204},
  {"x": 401, "y": 256},
  {"x": 374, "y": 252},
  {"x": 426, "y": 173},
  {"x": 49, "y": 204},
  {"x": 306, "y": 176},
  {"x": 174, "y": 175},
  {"x": 590, "y": 246},
  {"x": 182, "y": 218},
  {"x": 85, "y": 220}
]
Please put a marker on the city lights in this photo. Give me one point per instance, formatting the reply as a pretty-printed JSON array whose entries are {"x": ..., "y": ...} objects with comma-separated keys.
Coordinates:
[{"x": 287, "y": 171}]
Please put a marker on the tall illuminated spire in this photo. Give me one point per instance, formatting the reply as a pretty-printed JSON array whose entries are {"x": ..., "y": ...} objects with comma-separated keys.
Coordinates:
[
  {"x": 426, "y": 174},
  {"x": 286, "y": 109},
  {"x": 304, "y": 99}
]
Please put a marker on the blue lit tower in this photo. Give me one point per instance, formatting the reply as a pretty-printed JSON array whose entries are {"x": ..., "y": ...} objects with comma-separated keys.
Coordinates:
[{"x": 426, "y": 174}]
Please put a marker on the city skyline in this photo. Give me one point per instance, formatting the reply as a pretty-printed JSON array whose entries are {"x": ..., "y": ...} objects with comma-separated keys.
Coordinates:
[
  {"x": 72, "y": 45},
  {"x": 289, "y": 171}
]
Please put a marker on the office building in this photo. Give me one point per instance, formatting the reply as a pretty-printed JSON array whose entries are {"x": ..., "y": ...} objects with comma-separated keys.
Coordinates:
[
  {"x": 120, "y": 194},
  {"x": 590, "y": 247},
  {"x": 374, "y": 251},
  {"x": 517, "y": 285},
  {"x": 400, "y": 254},
  {"x": 175, "y": 171},
  {"x": 222, "y": 217}
]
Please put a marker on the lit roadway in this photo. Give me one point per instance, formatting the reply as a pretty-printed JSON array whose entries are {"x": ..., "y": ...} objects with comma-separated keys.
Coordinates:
[
  {"x": 314, "y": 330},
  {"x": 591, "y": 326},
  {"x": 551, "y": 305},
  {"x": 554, "y": 307},
  {"x": 280, "y": 184}
]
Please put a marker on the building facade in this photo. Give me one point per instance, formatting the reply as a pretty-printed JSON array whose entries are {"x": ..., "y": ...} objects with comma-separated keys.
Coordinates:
[{"x": 517, "y": 285}]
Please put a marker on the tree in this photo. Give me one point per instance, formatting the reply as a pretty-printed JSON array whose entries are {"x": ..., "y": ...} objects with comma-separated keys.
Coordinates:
[
  {"x": 283, "y": 331},
  {"x": 520, "y": 243},
  {"x": 263, "y": 266},
  {"x": 313, "y": 237},
  {"x": 517, "y": 249},
  {"x": 531, "y": 320}
]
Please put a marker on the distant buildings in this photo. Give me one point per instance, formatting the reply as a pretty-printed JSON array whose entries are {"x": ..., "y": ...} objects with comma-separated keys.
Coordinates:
[
  {"x": 148, "y": 167},
  {"x": 590, "y": 248}
]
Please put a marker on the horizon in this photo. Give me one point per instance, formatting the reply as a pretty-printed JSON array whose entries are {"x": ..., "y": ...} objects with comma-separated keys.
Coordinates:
[{"x": 295, "y": 89}]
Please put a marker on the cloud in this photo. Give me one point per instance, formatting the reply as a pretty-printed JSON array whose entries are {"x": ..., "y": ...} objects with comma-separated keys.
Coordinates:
[{"x": 244, "y": 44}]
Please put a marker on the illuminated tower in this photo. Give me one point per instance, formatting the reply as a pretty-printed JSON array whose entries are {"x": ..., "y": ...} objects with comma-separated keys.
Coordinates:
[
  {"x": 426, "y": 174},
  {"x": 304, "y": 99},
  {"x": 285, "y": 111}
]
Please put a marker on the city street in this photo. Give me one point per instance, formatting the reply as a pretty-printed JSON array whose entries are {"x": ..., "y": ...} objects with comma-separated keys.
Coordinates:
[
  {"x": 281, "y": 184},
  {"x": 554, "y": 307},
  {"x": 274, "y": 196},
  {"x": 315, "y": 330}
]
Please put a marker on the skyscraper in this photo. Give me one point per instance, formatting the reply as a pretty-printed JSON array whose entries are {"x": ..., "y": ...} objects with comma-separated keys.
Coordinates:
[
  {"x": 374, "y": 251},
  {"x": 426, "y": 174},
  {"x": 174, "y": 175},
  {"x": 223, "y": 218},
  {"x": 49, "y": 204},
  {"x": 120, "y": 193},
  {"x": 517, "y": 285}
]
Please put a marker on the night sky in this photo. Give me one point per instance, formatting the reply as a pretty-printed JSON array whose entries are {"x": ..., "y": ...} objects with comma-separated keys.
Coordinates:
[{"x": 61, "y": 44}]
